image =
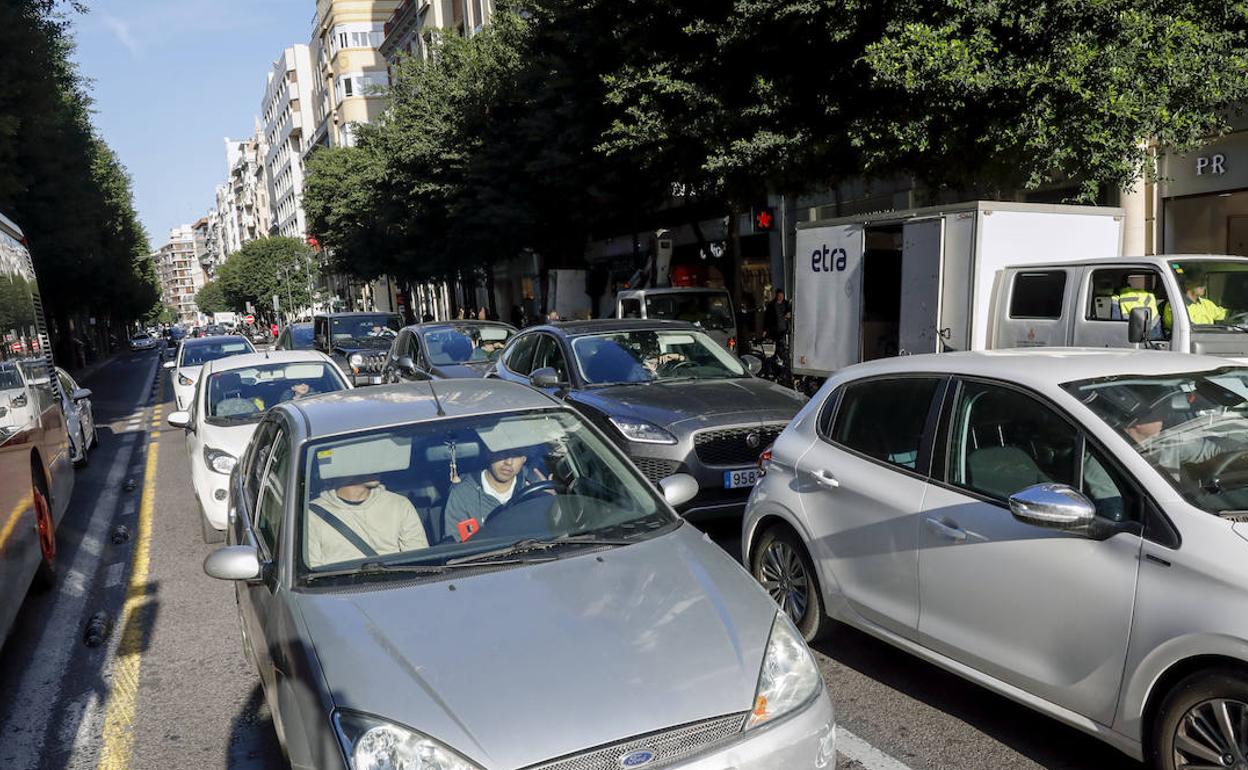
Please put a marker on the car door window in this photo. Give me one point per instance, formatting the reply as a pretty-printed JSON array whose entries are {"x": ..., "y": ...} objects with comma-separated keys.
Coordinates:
[
  {"x": 1038, "y": 295},
  {"x": 520, "y": 358},
  {"x": 885, "y": 419},
  {"x": 253, "y": 471},
  {"x": 630, "y": 308},
  {"x": 549, "y": 354},
  {"x": 1002, "y": 440},
  {"x": 267, "y": 519},
  {"x": 1107, "y": 487}
]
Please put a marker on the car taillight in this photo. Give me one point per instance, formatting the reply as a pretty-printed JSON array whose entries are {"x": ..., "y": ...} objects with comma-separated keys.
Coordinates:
[
  {"x": 764, "y": 460},
  {"x": 732, "y": 343}
]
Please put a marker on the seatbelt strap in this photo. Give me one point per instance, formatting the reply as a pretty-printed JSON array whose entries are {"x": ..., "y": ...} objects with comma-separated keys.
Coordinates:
[{"x": 341, "y": 528}]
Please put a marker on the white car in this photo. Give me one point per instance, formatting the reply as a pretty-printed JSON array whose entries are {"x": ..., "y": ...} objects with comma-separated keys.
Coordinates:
[
  {"x": 143, "y": 341},
  {"x": 194, "y": 353},
  {"x": 79, "y": 418},
  {"x": 230, "y": 399}
]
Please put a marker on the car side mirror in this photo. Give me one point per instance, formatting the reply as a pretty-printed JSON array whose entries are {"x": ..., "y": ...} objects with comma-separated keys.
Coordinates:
[
  {"x": 546, "y": 377},
  {"x": 1053, "y": 506},
  {"x": 752, "y": 363},
  {"x": 179, "y": 419},
  {"x": 234, "y": 562},
  {"x": 1138, "y": 323},
  {"x": 82, "y": 394},
  {"x": 406, "y": 365},
  {"x": 170, "y": 364},
  {"x": 678, "y": 488}
]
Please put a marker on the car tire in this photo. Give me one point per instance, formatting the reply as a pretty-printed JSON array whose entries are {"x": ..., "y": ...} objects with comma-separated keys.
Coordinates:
[
  {"x": 84, "y": 449},
  {"x": 211, "y": 534},
  {"x": 45, "y": 531},
  {"x": 1194, "y": 701},
  {"x": 781, "y": 564}
]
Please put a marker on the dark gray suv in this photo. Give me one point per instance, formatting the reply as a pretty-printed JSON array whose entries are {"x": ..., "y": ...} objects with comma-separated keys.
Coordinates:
[{"x": 673, "y": 398}]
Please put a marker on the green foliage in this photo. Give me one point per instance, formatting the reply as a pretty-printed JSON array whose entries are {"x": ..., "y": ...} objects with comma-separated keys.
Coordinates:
[
  {"x": 211, "y": 299},
  {"x": 264, "y": 267}
]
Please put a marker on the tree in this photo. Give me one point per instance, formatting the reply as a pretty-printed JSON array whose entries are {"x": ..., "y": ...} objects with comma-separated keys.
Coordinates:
[
  {"x": 211, "y": 299},
  {"x": 265, "y": 267}
]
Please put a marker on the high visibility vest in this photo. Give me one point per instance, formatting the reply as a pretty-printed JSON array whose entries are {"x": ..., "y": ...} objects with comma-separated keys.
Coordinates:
[
  {"x": 1130, "y": 299},
  {"x": 1202, "y": 311}
]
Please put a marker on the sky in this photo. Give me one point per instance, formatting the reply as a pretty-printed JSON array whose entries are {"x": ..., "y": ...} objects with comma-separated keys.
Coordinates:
[{"x": 171, "y": 79}]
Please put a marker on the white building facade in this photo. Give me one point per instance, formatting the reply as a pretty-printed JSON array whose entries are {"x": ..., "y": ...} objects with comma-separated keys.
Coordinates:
[
  {"x": 286, "y": 113},
  {"x": 180, "y": 274}
]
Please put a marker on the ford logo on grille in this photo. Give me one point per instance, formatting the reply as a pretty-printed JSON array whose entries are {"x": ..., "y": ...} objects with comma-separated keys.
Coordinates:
[
  {"x": 752, "y": 440},
  {"x": 637, "y": 758}
]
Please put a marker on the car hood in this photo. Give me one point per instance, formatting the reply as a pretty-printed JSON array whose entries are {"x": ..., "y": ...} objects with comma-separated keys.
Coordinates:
[
  {"x": 473, "y": 370},
  {"x": 526, "y": 664},
  {"x": 695, "y": 404},
  {"x": 190, "y": 372},
  {"x": 370, "y": 344},
  {"x": 232, "y": 438}
]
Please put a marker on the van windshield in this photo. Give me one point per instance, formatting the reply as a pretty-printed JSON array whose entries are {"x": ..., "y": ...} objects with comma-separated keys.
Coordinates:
[{"x": 1215, "y": 294}]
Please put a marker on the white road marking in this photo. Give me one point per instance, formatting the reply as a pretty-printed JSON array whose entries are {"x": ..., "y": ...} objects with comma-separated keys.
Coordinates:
[
  {"x": 115, "y": 572},
  {"x": 852, "y": 747},
  {"x": 86, "y": 737}
]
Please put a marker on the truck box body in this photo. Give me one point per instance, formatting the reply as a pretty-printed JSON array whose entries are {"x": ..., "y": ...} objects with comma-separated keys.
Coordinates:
[{"x": 921, "y": 280}]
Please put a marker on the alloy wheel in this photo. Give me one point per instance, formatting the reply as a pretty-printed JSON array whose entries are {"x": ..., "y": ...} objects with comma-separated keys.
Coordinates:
[
  {"x": 43, "y": 525},
  {"x": 1213, "y": 735},
  {"x": 784, "y": 576}
]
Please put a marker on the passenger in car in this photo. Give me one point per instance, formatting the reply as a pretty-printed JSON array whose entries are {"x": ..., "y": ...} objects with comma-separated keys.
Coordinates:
[
  {"x": 361, "y": 518},
  {"x": 477, "y": 496}
]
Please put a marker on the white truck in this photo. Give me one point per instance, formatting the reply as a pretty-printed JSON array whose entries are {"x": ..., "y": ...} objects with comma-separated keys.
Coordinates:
[
  {"x": 922, "y": 280},
  {"x": 227, "y": 319}
]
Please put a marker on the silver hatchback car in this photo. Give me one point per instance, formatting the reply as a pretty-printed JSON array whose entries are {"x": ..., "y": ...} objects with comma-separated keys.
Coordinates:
[
  {"x": 479, "y": 580},
  {"x": 1066, "y": 527}
]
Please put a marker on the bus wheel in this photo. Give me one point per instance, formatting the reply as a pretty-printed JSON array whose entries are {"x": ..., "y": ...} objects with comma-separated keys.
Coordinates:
[{"x": 45, "y": 577}]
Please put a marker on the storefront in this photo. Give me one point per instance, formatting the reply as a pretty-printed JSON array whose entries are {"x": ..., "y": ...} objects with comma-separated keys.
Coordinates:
[{"x": 1204, "y": 198}]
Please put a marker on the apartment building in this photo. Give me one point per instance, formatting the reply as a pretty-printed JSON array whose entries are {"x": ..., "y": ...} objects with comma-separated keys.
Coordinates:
[
  {"x": 410, "y": 29},
  {"x": 286, "y": 113},
  {"x": 243, "y": 200},
  {"x": 180, "y": 274}
]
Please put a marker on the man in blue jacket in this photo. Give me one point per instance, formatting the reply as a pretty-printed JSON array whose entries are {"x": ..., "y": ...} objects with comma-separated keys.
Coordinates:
[{"x": 476, "y": 497}]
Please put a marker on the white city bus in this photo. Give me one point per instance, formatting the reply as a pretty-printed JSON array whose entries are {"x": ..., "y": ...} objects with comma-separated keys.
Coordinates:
[{"x": 36, "y": 477}]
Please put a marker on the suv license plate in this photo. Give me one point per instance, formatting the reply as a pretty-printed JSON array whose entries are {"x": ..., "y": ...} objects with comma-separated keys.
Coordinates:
[{"x": 746, "y": 477}]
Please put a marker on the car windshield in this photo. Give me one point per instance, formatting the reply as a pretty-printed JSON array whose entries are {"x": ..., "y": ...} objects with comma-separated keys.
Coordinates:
[
  {"x": 1191, "y": 427},
  {"x": 649, "y": 356},
  {"x": 1214, "y": 293},
  {"x": 203, "y": 352},
  {"x": 710, "y": 310},
  {"x": 465, "y": 343},
  {"x": 241, "y": 395},
  {"x": 302, "y": 337},
  {"x": 141, "y": 337},
  {"x": 361, "y": 327},
  {"x": 441, "y": 493}
]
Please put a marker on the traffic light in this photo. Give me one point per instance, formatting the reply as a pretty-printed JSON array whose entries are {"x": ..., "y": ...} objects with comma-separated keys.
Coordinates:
[{"x": 764, "y": 219}]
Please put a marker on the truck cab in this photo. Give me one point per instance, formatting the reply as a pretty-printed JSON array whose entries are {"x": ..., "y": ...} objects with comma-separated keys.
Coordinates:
[
  {"x": 709, "y": 308},
  {"x": 1201, "y": 304}
]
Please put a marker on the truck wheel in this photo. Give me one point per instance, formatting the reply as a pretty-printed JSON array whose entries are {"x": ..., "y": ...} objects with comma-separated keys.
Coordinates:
[
  {"x": 783, "y": 567},
  {"x": 1203, "y": 722},
  {"x": 45, "y": 576}
]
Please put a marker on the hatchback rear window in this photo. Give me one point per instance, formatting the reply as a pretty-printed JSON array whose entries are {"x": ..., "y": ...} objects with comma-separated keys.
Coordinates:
[{"x": 884, "y": 419}]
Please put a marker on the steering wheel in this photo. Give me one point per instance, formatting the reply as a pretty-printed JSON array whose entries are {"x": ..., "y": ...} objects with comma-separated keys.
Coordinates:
[
  {"x": 499, "y": 518},
  {"x": 1225, "y": 462},
  {"x": 671, "y": 367}
]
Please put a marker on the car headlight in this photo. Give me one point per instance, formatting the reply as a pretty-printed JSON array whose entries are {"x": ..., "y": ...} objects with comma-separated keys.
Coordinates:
[
  {"x": 642, "y": 431},
  {"x": 221, "y": 462},
  {"x": 373, "y": 744},
  {"x": 789, "y": 677},
  {"x": 184, "y": 380},
  {"x": 355, "y": 361}
]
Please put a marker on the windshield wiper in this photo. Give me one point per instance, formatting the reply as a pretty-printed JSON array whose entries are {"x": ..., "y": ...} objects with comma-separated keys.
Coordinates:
[
  {"x": 378, "y": 568},
  {"x": 530, "y": 545}
]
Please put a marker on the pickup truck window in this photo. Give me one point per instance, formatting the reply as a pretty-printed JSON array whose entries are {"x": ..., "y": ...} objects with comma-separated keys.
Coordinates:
[
  {"x": 1038, "y": 294},
  {"x": 1117, "y": 291}
]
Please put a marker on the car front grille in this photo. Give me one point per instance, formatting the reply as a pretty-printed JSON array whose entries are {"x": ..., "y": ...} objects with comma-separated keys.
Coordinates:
[
  {"x": 732, "y": 446},
  {"x": 665, "y": 747},
  {"x": 656, "y": 468}
]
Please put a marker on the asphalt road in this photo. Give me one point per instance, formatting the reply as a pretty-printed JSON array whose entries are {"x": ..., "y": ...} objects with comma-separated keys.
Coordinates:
[{"x": 168, "y": 686}]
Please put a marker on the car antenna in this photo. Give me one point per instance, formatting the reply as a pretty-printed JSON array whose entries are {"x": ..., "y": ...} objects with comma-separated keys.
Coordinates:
[{"x": 441, "y": 411}]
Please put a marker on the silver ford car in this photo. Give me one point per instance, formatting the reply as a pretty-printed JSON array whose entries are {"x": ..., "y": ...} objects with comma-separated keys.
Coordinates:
[
  {"x": 1068, "y": 528},
  {"x": 466, "y": 575}
]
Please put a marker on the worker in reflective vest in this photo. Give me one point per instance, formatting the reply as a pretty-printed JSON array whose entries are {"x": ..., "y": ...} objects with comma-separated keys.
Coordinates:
[
  {"x": 1134, "y": 295},
  {"x": 1200, "y": 311}
]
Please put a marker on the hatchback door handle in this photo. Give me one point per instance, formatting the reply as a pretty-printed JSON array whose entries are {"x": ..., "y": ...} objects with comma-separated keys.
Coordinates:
[
  {"x": 825, "y": 479},
  {"x": 942, "y": 529}
]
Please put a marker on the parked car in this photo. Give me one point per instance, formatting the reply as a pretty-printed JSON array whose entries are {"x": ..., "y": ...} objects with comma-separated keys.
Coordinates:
[
  {"x": 551, "y": 595},
  {"x": 445, "y": 349},
  {"x": 143, "y": 341},
  {"x": 674, "y": 399},
  {"x": 79, "y": 418},
  {"x": 358, "y": 342},
  {"x": 194, "y": 353},
  {"x": 1065, "y": 527},
  {"x": 296, "y": 336},
  {"x": 229, "y": 402}
]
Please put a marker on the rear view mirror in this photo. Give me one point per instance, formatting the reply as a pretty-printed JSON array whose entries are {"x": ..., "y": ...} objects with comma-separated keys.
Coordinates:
[
  {"x": 1138, "y": 324},
  {"x": 233, "y": 562},
  {"x": 752, "y": 363},
  {"x": 678, "y": 489},
  {"x": 546, "y": 377},
  {"x": 1053, "y": 506}
]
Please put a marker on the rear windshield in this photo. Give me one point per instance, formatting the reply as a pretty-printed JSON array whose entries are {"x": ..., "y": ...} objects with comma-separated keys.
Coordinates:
[
  {"x": 202, "y": 353},
  {"x": 242, "y": 395},
  {"x": 302, "y": 337}
]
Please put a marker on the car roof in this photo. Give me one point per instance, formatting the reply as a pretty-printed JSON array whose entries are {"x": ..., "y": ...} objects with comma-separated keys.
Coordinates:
[
  {"x": 216, "y": 338},
  {"x": 356, "y": 313},
  {"x": 246, "y": 360},
  {"x": 1043, "y": 368},
  {"x": 605, "y": 325},
  {"x": 378, "y": 406},
  {"x": 454, "y": 322},
  {"x": 676, "y": 290},
  {"x": 298, "y": 323}
]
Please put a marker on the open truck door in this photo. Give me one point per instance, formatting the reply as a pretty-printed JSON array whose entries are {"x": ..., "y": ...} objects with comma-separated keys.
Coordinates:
[
  {"x": 827, "y": 298},
  {"x": 921, "y": 255}
]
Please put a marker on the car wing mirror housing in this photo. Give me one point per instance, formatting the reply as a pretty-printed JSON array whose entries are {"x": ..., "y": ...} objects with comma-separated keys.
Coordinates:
[
  {"x": 678, "y": 489},
  {"x": 752, "y": 363},
  {"x": 82, "y": 394},
  {"x": 170, "y": 364},
  {"x": 179, "y": 419},
  {"x": 546, "y": 377},
  {"x": 406, "y": 365},
  {"x": 1054, "y": 506},
  {"x": 234, "y": 562},
  {"x": 1138, "y": 323}
]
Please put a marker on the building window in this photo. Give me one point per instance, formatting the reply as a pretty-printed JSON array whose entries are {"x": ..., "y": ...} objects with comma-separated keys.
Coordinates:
[{"x": 347, "y": 87}]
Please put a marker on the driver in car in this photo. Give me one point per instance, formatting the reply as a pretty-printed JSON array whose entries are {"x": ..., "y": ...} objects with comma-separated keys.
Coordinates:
[
  {"x": 360, "y": 518},
  {"x": 1169, "y": 453},
  {"x": 474, "y": 498}
]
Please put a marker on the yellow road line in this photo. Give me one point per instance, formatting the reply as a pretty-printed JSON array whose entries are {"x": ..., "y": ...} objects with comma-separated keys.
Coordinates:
[
  {"x": 14, "y": 517},
  {"x": 123, "y": 695}
]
